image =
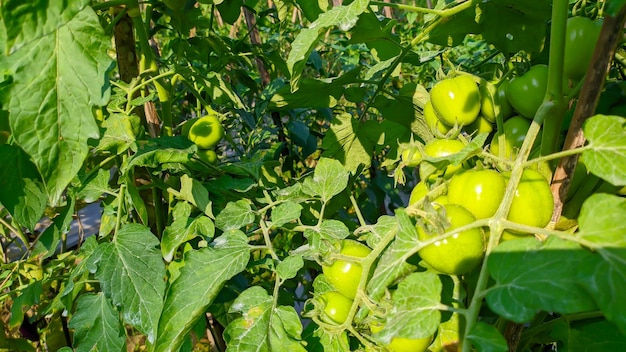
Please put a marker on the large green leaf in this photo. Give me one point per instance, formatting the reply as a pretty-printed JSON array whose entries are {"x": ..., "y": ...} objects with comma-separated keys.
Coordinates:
[
  {"x": 604, "y": 273},
  {"x": 262, "y": 327},
  {"x": 183, "y": 229},
  {"x": 607, "y": 142},
  {"x": 531, "y": 276},
  {"x": 97, "y": 326},
  {"x": 201, "y": 278},
  {"x": 56, "y": 80},
  {"x": 131, "y": 272},
  {"x": 22, "y": 22},
  {"x": 23, "y": 193},
  {"x": 514, "y": 25}
]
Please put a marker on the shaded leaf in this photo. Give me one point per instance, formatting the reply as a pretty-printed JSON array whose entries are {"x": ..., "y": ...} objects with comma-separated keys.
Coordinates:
[
  {"x": 96, "y": 325},
  {"x": 161, "y": 151},
  {"x": 23, "y": 193},
  {"x": 285, "y": 213},
  {"x": 547, "y": 280},
  {"x": 289, "y": 267},
  {"x": 486, "y": 337}
]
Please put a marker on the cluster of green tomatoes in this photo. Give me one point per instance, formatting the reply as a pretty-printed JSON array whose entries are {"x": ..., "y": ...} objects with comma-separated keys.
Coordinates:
[{"x": 205, "y": 132}]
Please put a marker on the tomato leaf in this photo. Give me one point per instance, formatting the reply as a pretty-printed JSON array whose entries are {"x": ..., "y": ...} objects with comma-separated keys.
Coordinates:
[
  {"x": 392, "y": 264},
  {"x": 319, "y": 340},
  {"x": 97, "y": 325},
  {"x": 91, "y": 190},
  {"x": 261, "y": 326},
  {"x": 131, "y": 272},
  {"x": 605, "y": 154},
  {"x": 194, "y": 192},
  {"x": 486, "y": 337},
  {"x": 51, "y": 237},
  {"x": 285, "y": 213},
  {"x": 183, "y": 229},
  {"x": 29, "y": 296},
  {"x": 547, "y": 280},
  {"x": 328, "y": 180},
  {"x": 514, "y": 25},
  {"x": 50, "y": 98},
  {"x": 235, "y": 215},
  {"x": 377, "y": 35},
  {"x": 23, "y": 22},
  {"x": 119, "y": 133},
  {"x": 604, "y": 273},
  {"x": 595, "y": 335},
  {"x": 23, "y": 193},
  {"x": 160, "y": 152},
  {"x": 288, "y": 268},
  {"x": 343, "y": 16},
  {"x": 201, "y": 278},
  {"x": 415, "y": 312},
  {"x": 452, "y": 30}
]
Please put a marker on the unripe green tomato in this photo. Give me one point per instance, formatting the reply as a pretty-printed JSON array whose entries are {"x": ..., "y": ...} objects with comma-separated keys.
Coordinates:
[
  {"x": 581, "y": 36},
  {"x": 459, "y": 253},
  {"x": 444, "y": 147},
  {"x": 456, "y": 100},
  {"x": 336, "y": 306},
  {"x": 432, "y": 121},
  {"x": 344, "y": 275},
  {"x": 184, "y": 131},
  {"x": 532, "y": 204},
  {"x": 513, "y": 235},
  {"x": 480, "y": 125},
  {"x": 526, "y": 92},
  {"x": 419, "y": 192},
  {"x": 479, "y": 191},
  {"x": 206, "y": 132},
  {"x": 515, "y": 130},
  {"x": 402, "y": 344},
  {"x": 492, "y": 97},
  {"x": 411, "y": 157},
  {"x": 207, "y": 155}
]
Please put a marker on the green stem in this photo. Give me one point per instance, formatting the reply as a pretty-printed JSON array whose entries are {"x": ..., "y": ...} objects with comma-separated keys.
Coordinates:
[
  {"x": 120, "y": 205},
  {"x": 108, "y": 4},
  {"x": 554, "y": 93},
  {"x": 557, "y": 155},
  {"x": 357, "y": 210}
]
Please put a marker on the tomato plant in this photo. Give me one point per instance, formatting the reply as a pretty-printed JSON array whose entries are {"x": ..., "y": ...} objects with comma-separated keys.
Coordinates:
[
  {"x": 514, "y": 133},
  {"x": 434, "y": 123},
  {"x": 456, "y": 100},
  {"x": 438, "y": 148}
]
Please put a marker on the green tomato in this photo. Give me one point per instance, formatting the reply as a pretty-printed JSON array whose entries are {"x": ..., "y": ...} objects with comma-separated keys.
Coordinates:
[
  {"x": 207, "y": 155},
  {"x": 184, "y": 131},
  {"x": 515, "y": 130},
  {"x": 526, "y": 92},
  {"x": 433, "y": 122},
  {"x": 411, "y": 157},
  {"x": 456, "y": 100},
  {"x": 420, "y": 190},
  {"x": 403, "y": 344},
  {"x": 492, "y": 97},
  {"x": 581, "y": 36},
  {"x": 336, "y": 306},
  {"x": 206, "y": 132},
  {"x": 345, "y": 275},
  {"x": 532, "y": 204},
  {"x": 441, "y": 148},
  {"x": 480, "y": 125},
  {"x": 479, "y": 191},
  {"x": 459, "y": 253}
]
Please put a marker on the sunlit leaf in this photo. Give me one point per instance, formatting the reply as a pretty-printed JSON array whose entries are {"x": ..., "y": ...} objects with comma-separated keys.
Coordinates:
[
  {"x": 96, "y": 325},
  {"x": 606, "y": 155}
]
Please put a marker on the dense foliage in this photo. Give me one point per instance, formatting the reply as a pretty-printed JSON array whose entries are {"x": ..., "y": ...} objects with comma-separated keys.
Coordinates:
[{"x": 296, "y": 175}]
